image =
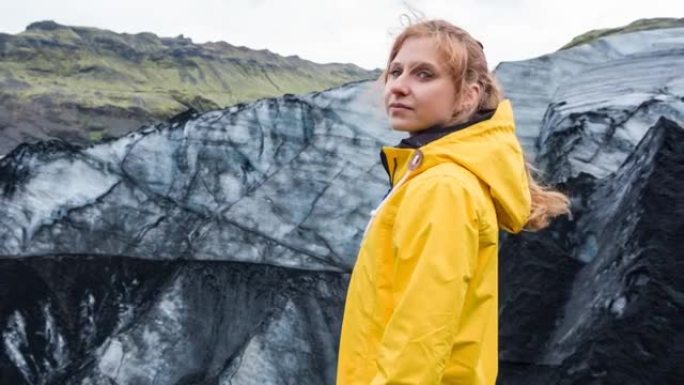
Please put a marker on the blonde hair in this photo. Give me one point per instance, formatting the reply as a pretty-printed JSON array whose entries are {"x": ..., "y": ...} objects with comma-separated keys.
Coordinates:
[{"x": 465, "y": 59}]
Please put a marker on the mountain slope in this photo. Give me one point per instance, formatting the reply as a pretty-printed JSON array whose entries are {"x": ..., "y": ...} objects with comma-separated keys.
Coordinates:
[
  {"x": 82, "y": 84},
  {"x": 637, "y": 25}
]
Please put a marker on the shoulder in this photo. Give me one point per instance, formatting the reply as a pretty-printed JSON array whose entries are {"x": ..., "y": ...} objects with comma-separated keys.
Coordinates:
[
  {"x": 441, "y": 189},
  {"x": 436, "y": 204},
  {"x": 450, "y": 177}
]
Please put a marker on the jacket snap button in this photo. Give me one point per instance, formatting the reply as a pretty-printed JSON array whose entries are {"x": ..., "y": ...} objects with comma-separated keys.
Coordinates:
[{"x": 416, "y": 160}]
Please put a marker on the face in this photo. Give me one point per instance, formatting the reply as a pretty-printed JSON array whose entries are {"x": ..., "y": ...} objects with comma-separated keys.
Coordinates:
[{"x": 421, "y": 85}]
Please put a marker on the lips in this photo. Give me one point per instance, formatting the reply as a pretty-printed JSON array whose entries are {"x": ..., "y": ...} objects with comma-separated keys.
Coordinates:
[{"x": 400, "y": 106}]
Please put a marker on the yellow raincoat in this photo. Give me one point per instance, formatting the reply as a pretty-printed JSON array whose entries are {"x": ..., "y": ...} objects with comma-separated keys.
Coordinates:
[{"x": 422, "y": 302}]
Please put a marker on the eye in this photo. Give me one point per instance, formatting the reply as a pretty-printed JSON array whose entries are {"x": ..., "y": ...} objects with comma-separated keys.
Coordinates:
[
  {"x": 395, "y": 72},
  {"x": 424, "y": 75}
]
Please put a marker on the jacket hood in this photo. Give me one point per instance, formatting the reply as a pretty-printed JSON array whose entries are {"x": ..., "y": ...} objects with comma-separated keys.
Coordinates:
[{"x": 489, "y": 149}]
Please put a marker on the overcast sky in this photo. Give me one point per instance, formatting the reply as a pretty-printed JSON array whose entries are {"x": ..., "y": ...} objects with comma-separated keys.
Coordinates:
[{"x": 345, "y": 31}]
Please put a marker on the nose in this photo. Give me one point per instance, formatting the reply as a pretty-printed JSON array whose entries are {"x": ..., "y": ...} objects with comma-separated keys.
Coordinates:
[{"x": 398, "y": 86}]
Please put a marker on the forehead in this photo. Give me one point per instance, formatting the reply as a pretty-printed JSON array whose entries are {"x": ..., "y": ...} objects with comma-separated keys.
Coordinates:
[{"x": 418, "y": 50}]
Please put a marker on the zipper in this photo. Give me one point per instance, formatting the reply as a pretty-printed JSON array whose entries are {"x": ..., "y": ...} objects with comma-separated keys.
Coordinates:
[
  {"x": 383, "y": 159},
  {"x": 415, "y": 161},
  {"x": 394, "y": 172}
]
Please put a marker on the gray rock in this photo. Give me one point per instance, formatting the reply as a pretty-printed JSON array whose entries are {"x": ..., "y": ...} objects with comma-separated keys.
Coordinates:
[
  {"x": 584, "y": 109},
  {"x": 599, "y": 299},
  {"x": 261, "y": 183}
]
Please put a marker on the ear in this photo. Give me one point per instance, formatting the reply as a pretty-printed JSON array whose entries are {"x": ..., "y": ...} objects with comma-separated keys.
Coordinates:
[{"x": 471, "y": 96}]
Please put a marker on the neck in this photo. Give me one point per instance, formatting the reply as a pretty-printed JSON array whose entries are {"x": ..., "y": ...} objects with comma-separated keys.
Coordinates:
[
  {"x": 438, "y": 126},
  {"x": 436, "y": 131}
]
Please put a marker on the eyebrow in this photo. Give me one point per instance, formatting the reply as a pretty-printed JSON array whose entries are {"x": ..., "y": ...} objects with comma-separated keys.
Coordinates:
[{"x": 414, "y": 64}]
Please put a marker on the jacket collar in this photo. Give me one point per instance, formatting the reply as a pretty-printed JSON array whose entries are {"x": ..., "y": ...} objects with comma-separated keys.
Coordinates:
[
  {"x": 400, "y": 158},
  {"x": 437, "y": 131},
  {"x": 486, "y": 145}
]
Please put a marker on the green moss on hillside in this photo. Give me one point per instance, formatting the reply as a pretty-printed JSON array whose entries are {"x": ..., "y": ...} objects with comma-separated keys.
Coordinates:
[
  {"x": 638, "y": 25},
  {"x": 59, "y": 72}
]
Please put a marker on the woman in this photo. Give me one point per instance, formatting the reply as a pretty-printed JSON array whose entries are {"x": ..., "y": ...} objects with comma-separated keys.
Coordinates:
[{"x": 422, "y": 303}]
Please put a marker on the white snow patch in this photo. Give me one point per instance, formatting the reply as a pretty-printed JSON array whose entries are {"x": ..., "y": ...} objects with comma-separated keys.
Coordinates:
[
  {"x": 59, "y": 186},
  {"x": 14, "y": 339},
  {"x": 618, "y": 305}
]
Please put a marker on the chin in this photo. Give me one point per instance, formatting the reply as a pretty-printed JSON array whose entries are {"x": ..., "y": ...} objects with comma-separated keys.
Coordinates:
[
  {"x": 404, "y": 127},
  {"x": 401, "y": 124}
]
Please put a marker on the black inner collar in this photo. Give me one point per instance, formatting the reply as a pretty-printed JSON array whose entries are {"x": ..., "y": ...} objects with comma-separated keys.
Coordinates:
[{"x": 437, "y": 131}]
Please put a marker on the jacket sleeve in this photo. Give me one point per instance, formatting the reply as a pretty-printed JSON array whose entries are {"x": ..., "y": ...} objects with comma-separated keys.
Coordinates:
[{"x": 435, "y": 237}]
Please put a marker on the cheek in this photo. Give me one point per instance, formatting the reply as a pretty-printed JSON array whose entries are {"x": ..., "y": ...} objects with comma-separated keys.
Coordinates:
[{"x": 438, "y": 102}]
